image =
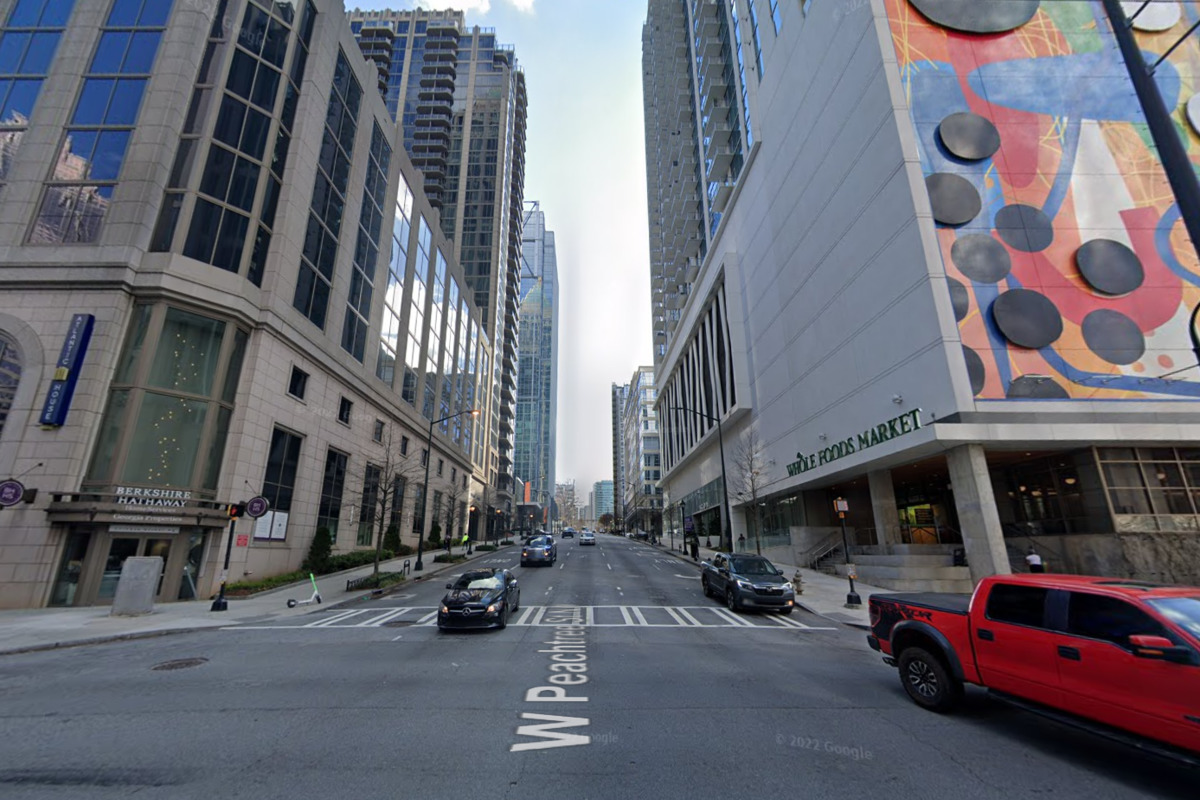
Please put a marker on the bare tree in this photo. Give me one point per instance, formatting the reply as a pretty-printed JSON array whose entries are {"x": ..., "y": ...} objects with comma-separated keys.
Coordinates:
[
  {"x": 454, "y": 499},
  {"x": 750, "y": 465},
  {"x": 382, "y": 482}
]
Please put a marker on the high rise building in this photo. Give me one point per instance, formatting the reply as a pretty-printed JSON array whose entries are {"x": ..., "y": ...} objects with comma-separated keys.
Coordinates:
[
  {"x": 641, "y": 496},
  {"x": 460, "y": 100},
  {"x": 602, "y": 492},
  {"x": 893, "y": 270},
  {"x": 537, "y": 371},
  {"x": 619, "y": 393},
  {"x": 210, "y": 219},
  {"x": 564, "y": 498}
]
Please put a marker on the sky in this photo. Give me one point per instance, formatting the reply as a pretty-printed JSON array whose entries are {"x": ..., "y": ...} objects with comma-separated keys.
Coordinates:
[{"x": 585, "y": 163}]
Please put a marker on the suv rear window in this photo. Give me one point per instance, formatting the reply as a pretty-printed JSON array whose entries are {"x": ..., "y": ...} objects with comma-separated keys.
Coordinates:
[{"x": 1020, "y": 605}]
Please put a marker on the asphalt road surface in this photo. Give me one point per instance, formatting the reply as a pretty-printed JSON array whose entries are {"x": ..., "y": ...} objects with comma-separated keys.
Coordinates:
[{"x": 668, "y": 696}]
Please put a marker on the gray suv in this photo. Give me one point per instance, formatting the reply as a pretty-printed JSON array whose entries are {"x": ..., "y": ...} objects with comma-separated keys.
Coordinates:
[
  {"x": 745, "y": 581},
  {"x": 539, "y": 550}
]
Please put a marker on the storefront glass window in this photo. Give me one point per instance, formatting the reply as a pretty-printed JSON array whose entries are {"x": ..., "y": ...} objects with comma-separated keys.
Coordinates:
[
  {"x": 110, "y": 434},
  {"x": 10, "y": 375},
  {"x": 216, "y": 451},
  {"x": 169, "y": 435},
  {"x": 133, "y": 350},
  {"x": 188, "y": 353}
]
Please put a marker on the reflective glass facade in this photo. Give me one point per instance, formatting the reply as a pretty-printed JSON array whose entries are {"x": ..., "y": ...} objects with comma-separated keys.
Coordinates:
[{"x": 93, "y": 146}]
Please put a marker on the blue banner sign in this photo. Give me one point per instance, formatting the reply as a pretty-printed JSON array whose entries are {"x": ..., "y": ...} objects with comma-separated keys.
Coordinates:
[{"x": 66, "y": 371}]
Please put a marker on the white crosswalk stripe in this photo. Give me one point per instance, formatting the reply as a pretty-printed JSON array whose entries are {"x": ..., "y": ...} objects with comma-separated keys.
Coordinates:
[{"x": 592, "y": 616}]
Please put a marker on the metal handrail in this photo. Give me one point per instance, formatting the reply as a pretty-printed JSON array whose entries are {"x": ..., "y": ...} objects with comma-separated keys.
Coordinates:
[{"x": 823, "y": 548}]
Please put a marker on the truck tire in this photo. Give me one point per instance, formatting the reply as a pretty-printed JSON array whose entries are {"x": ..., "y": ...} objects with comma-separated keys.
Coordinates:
[{"x": 927, "y": 680}]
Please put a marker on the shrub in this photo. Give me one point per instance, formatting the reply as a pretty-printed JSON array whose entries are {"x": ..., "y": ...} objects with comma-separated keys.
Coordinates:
[
  {"x": 319, "y": 552},
  {"x": 402, "y": 550},
  {"x": 243, "y": 588},
  {"x": 446, "y": 558},
  {"x": 391, "y": 539},
  {"x": 355, "y": 558}
]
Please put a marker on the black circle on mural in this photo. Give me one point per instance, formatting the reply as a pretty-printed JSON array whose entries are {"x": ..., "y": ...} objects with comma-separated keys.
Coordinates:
[
  {"x": 1036, "y": 387},
  {"x": 1027, "y": 318},
  {"x": 954, "y": 199},
  {"x": 960, "y": 300},
  {"x": 978, "y": 16},
  {"x": 1024, "y": 228},
  {"x": 1109, "y": 266},
  {"x": 975, "y": 369},
  {"x": 981, "y": 258},
  {"x": 1113, "y": 336},
  {"x": 969, "y": 136}
]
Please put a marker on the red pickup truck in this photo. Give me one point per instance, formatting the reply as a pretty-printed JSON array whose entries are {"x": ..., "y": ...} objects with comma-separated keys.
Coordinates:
[{"x": 1114, "y": 656}]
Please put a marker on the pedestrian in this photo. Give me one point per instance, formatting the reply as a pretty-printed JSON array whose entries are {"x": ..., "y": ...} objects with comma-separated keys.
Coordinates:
[
  {"x": 695, "y": 548},
  {"x": 741, "y": 542},
  {"x": 1034, "y": 561},
  {"x": 465, "y": 541}
]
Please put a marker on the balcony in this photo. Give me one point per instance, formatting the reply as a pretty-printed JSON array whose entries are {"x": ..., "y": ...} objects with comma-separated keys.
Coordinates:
[
  {"x": 718, "y": 159},
  {"x": 721, "y": 198}
]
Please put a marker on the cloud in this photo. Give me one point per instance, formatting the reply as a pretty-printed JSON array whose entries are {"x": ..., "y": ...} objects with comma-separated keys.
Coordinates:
[{"x": 474, "y": 6}]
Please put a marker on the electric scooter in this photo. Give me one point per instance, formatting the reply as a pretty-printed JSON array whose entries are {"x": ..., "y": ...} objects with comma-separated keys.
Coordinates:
[{"x": 316, "y": 595}]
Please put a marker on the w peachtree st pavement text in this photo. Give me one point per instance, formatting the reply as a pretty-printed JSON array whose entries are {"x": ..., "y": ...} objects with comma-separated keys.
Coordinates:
[
  {"x": 568, "y": 668},
  {"x": 883, "y": 432}
]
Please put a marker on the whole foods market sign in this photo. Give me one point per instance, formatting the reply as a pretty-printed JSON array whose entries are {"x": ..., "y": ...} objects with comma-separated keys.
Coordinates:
[{"x": 883, "y": 432}]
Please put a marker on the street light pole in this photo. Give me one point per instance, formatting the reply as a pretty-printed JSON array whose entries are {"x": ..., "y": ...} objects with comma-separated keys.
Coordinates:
[
  {"x": 727, "y": 528},
  {"x": 425, "y": 493}
]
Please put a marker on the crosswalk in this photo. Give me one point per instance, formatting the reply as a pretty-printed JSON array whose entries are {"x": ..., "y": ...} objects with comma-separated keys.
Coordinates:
[{"x": 616, "y": 616}]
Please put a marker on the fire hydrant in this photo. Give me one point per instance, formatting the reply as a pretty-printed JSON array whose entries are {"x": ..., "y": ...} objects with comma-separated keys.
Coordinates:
[{"x": 798, "y": 583}]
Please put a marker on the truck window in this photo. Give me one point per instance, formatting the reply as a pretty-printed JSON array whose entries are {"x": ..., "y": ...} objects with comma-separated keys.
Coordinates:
[
  {"x": 1097, "y": 616},
  {"x": 1020, "y": 605}
]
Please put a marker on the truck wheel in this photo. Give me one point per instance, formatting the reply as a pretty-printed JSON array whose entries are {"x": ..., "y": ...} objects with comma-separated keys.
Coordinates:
[{"x": 927, "y": 680}]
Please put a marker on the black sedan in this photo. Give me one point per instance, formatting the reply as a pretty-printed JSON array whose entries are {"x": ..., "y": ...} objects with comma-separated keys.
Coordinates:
[{"x": 481, "y": 598}]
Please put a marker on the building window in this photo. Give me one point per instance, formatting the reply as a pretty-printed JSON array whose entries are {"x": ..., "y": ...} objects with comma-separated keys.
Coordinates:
[
  {"x": 28, "y": 43},
  {"x": 403, "y": 445},
  {"x": 319, "y": 255},
  {"x": 344, "y": 407},
  {"x": 397, "y": 510},
  {"x": 10, "y": 375},
  {"x": 367, "y": 511},
  {"x": 366, "y": 249},
  {"x": 93, "y": 146},
  {"x": 170, "y": 402},
  {"x": 775, "y": 16},
  {"x": 389, "y": 334},
  {"x": 1152, "y": 488},
  {"x": 441, "y": 465},
  {"x": 333, "y": 484},
  {"x": 279, "y": 480},
  {"x": 453, "y": 474},
  {"x": 298, "y": 383},
  {"x": 424, "y": 456},
  {"x": 464, "y": 481},
  {"x": 377, "y": 434},
  {"x": 418, "y": 520}
]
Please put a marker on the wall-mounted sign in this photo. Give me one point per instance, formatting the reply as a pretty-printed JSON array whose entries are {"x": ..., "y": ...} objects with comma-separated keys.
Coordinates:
[
  {"x": 883, "y": 432},
  {"x": 66, "y": 371},
  {"x": 141, "y": 496},
  {"x": 11, "y": 492},
  {"x": 257, "y": 506}
]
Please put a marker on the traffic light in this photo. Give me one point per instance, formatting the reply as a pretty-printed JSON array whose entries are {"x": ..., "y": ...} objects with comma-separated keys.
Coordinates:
[{"x": 237, "y": 510}]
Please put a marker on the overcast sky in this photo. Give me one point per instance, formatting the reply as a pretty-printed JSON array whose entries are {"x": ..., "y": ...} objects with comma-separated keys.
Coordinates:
[{"x": 585, "y": 162}]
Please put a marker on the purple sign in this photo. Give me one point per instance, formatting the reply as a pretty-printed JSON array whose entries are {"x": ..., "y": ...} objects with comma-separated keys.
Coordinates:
[
  {"x": 257, "y": 506},
  {"x": 688, "y": 525},
  {"x": 11, "y": 493}
]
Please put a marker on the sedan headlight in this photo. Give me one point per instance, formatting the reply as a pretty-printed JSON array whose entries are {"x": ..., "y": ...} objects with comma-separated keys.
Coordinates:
[
  {"x": 747, "y": 585},
  {"x": 492, "y": 608},
  {"x": 444, "y": 609}
]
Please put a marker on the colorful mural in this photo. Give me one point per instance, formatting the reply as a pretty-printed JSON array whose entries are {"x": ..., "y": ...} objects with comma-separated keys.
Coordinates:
[{"x": 1071, "y": 274}]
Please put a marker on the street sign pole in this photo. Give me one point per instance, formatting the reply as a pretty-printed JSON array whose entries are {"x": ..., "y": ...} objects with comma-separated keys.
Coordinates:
[
  {"x": 221, "y": 604},
  {"x": 852, "y": 598}
]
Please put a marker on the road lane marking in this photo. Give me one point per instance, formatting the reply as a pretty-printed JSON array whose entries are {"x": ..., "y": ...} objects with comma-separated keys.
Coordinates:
[
  {"x": 734, "y": 618},
  {"x": 429, "y": 619},
  {"x": 637, "y": 612},
  {"x": 537, "y": 618},
  {"x": 625, "y": 615},
  {"x": 374, "y": 622},
  {"x": 525, "y": 614},
  {"x": 342, "y": 615}
]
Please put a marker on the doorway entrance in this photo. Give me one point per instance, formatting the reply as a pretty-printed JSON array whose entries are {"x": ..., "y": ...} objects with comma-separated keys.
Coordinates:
[{"x": 92, "y": 560}]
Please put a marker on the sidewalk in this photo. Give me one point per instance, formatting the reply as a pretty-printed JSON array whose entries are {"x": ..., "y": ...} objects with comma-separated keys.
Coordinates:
[
  {"x": 824, "y": 595},
  {"x": 47, "y": 628}
]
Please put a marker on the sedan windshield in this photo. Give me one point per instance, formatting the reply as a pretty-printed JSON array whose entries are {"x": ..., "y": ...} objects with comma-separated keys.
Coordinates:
[
  {"x": 539, "y": 541},
  {"x": 477, "y": 581},
  {"x": 753, "y": 566},
  {"x": 1183, "y": 611}
]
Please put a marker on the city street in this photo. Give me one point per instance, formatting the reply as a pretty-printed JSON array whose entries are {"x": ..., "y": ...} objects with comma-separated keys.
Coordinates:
[{"x": 668, "y": 695}]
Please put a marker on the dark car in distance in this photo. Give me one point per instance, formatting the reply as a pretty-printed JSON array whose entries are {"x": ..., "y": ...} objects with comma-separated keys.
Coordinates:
[
  {"x": 539, "y": 550},
  {"x": 568, "y": 533},
  {"x": 481, "y": 598}
]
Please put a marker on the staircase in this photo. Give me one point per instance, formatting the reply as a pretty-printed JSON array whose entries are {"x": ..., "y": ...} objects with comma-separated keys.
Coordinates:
[
  {"x": 828, "y": 562},
  {"x": 910, "y": 568}
]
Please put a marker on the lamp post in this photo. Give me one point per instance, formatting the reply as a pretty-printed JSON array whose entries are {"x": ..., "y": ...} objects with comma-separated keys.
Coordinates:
[
  {"x": 726, "y": 531},
  {"x": 425, "y": 493}
]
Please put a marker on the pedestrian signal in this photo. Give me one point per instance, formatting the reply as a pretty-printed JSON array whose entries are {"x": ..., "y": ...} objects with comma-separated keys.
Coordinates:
[{"x": 237, "y": 510}]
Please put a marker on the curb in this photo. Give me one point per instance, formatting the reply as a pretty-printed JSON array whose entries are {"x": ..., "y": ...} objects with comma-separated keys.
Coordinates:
[{"x": 116, "y": 637}]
